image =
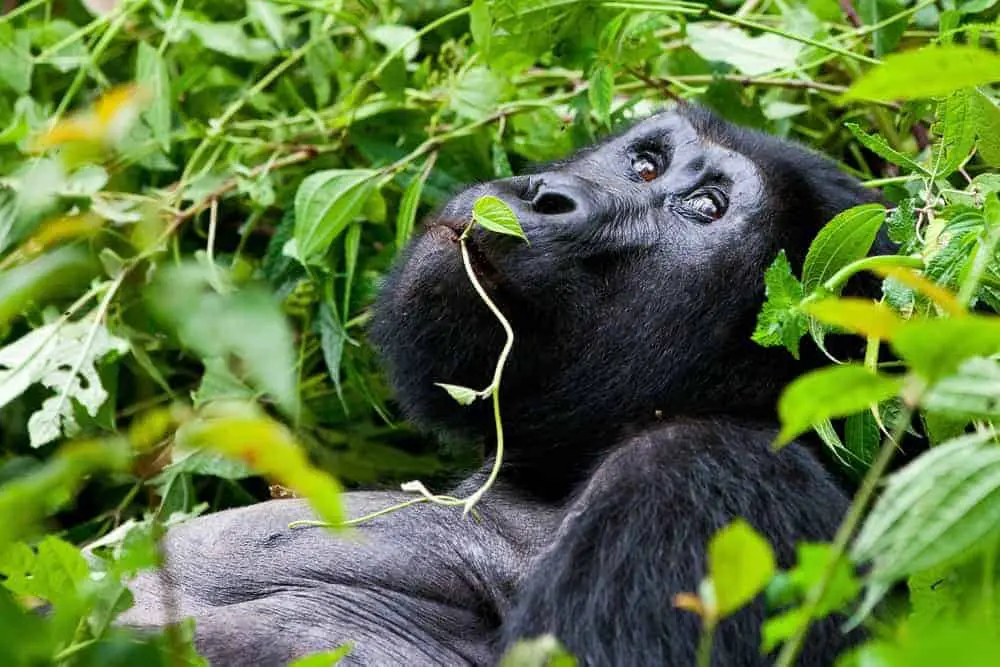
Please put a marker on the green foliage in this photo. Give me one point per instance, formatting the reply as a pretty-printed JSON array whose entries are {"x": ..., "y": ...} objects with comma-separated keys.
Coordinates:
[{"x": 186, "y": 267}]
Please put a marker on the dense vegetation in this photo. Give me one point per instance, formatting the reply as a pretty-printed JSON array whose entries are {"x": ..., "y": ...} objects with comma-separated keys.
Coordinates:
[{"x": 186, "y": 263}]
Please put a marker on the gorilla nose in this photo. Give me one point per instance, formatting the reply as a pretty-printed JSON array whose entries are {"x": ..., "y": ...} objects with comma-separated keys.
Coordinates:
[
  {"x": 545, "y": 197},
  {"x": 553, "y": 202}
]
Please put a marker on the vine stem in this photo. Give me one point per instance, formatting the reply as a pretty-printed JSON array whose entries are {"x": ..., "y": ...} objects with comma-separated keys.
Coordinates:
[
  {"x": 850, "y": 524},
  {"x": 494, "y": 387}
]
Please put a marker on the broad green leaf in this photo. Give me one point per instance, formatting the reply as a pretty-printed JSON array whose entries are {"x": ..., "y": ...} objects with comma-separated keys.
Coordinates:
[
  {"x": 325, "y": 203},
  {"x": 878, "y": 145},
  {"x": 247, "y": 324},
  {"x": 936, "y": 348},
  {"x": 271, "y": 450},
  {"x": 835, "y": 391},
  {"x": 932, "y": 71},
  {"x": 872, "y": 12},
  {"x": 973, "y": 392},
  {"x": 740, "y": 563},
  {"x": 476, "y": 94},
  {"x": 57, "y": 576},
  {"x": 229, "y": 39},
  {"x": 495, "y": 215},
  {"x": 481, "y": 25},
  {"x": 463, "y": 395},
  {"x": 942, "y": 506},
  {"x": 860, "y": 316},
  {"x": 957, "y": 127},
  {"x": 750, "y": 55},
  {"x": 397, "y": 37},
  {"x": 151, "y": 73},
  {"x": 601, "y": 91},
  {"x": 780, "y": 321},
  {"x": 543, "y": 651},
  {"x": 844, "y": 239},
  {"x": 16, "y": 61}
]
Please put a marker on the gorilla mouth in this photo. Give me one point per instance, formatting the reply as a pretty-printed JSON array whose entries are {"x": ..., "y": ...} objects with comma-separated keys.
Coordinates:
[{"x": 451, "y": 231}]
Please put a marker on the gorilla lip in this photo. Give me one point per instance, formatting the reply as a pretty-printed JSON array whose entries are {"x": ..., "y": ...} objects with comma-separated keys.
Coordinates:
[{"x": 448, "y": 230}]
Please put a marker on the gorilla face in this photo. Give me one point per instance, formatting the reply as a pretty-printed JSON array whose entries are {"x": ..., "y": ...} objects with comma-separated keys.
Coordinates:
[{"x": 635, "y": 298}]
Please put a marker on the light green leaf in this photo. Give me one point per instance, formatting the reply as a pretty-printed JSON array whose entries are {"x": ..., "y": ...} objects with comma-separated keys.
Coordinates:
[
  {"x": 481, "y": 25},
  {"x": 957, "y": 127},
  {"x": 862, "y": 316},
  {"x": 942, "y": 506},
  {"x": 544, "y": 651},
  {"x": 151, "y": 73},
  {"x": 973, "y": 392},
  {"x": 872, "y": 12},
  {"x": 266, "y": 14},
  {"x": 407, "y": 216},
  {"x": 740, "y": 563},
  {"x": 53, "y": 275},
  {"x": 846, "y": 238},
  {"x": 835, "y": 391},
  {"x": 325, "y": 203},
  {"x": 16, "y": 62},
  {"x": 601, "y": 91},
  {"x": 493, "y": 214},
  {"x": 936, "y": 348},
  {"x": 247, "y": 324},
  {"x": 780, "y": 322},
  {"x": 987, "y": 119},
  {"x": 463, "y": 395},
  {"x": 395, "y": 37},
  {"x": 476, "y": 93},
  {"x": 750, "y": 55},
  {"x": 325, "y": 659},
  {"x": 933, "y": 71},
  {"x": 878, "y": 145},
  {"x": 229, "y": 39}
]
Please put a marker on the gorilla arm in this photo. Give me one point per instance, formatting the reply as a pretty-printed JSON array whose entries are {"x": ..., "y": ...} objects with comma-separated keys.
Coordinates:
[
  {"x": 638, "y": 534},
  {"x": 420, "y": 586}
]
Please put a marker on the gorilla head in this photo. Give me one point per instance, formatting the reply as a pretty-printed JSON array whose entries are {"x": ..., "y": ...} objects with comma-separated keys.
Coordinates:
[{"x": 634, "y": 300}]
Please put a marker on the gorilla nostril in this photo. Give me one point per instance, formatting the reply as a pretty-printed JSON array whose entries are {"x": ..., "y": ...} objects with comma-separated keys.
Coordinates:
[{"x": 553, "y": 203}]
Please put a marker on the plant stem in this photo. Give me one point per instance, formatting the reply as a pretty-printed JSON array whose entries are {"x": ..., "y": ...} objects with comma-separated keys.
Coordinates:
[
  {"x": 704, "y": 655},
  {"x": 850, "y": 524}
]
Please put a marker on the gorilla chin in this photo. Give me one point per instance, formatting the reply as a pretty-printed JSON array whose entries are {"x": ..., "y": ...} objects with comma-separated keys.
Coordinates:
[{"x": 638, "y": 416}]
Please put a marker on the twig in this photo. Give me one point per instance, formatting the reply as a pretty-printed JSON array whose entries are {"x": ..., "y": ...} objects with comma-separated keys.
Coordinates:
[{"x": 851, "y": 13}]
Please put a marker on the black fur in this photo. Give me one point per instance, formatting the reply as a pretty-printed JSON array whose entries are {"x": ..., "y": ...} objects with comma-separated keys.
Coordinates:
[{"x": 637, "y": 411}]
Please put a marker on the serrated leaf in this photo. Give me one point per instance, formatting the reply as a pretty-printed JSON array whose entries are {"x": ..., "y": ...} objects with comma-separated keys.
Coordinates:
[
  {"x": 844, "y": 239},
  {"x": 740, "y": 563},
  {"x": 601, "y": 91},
  {"x": 943, "y": 505},
  {"x": 780, "y": 322},
  {"x": 463, "y": 395},
  {"x": 973, "y": 392},
  {"x": 878, "y": 145},
  {"x": 861, "y": 316},
  {"x": 151, "y": 73},
  {"x": 494, "y": 214},
  {"x": 325, "y": 203},
  {"x": 932, "y": 71},
  {"x": 901, "y": 222},
  {"x": 836, "y": 391}
]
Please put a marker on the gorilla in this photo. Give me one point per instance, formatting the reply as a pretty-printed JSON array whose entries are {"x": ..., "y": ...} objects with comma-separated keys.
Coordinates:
[{"x": 638, "y": 417}]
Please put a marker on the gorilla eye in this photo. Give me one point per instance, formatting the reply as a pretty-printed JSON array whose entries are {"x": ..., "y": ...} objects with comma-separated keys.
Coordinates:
[
  {"x": 707, "y": 205},
  {"x": 645, "y": 168}
]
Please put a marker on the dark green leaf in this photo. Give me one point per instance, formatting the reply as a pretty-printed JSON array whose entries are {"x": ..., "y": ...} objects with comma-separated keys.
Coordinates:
[
  {"x": 780, "y": 321},
  {"x": 326, "y": 202},
  {"x": 846, "y": 238},
  {"x": 878, "y": 145}
]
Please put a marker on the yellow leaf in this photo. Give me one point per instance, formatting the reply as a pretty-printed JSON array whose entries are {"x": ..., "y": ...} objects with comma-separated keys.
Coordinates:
[
  {"x": 857, "y": 315},
  {"x": 939, "y": 295}
]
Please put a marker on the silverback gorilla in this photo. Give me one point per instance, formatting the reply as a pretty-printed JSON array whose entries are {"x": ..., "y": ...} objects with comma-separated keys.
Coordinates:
[{"x": 637, "y": 411}]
